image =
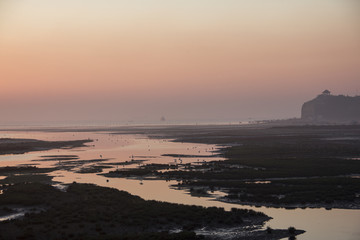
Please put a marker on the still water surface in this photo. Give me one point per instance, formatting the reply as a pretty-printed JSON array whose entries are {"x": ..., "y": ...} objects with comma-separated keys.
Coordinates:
[{"x": 318, "y": 223}]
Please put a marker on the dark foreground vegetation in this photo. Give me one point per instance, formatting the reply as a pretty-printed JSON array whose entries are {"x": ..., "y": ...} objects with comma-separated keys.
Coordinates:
[{"x": 87, "y": 211}]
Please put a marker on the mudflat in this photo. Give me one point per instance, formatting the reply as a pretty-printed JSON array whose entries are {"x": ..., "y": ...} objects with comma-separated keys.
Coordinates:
[{"x": 19, "y": 146}]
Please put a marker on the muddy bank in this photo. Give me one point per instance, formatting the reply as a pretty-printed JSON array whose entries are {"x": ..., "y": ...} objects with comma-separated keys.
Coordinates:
[
  {"x": 20, "y": 146},
  {"x": 92, "y": 212}
]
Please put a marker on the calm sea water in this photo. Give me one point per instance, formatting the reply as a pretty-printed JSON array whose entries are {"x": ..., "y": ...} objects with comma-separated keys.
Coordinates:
[{"x": 318, "y": 223}]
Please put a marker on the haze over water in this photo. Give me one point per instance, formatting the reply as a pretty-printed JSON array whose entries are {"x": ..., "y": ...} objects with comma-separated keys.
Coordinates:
[{"x": 86, "y": 60}]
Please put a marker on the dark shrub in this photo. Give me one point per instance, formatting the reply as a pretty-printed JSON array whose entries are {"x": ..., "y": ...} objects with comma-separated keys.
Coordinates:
[{"x": 291, "y": 230}]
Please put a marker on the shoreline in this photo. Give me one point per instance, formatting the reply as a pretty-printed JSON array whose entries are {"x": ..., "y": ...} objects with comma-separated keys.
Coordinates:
[
  {"x": 174, "y": 134},
  {"x": 336, "y": 205},
  {"x": 179, "y": 137},
  {"x": 20, "y": 146},
  {"x": 134, "y": 216},
  {"x": 343, "y": 206}
]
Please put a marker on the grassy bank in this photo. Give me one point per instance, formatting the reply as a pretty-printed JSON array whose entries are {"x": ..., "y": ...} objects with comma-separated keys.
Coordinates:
[
  {"x": 87, "y": 211},
  {"x": 19, "y": 146}
]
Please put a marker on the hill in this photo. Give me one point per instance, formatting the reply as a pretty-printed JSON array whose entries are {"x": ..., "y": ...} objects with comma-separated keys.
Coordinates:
[{"x": 332, "y": 109}]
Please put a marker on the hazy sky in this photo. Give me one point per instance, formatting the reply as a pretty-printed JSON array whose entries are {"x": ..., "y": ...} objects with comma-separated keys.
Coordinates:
[{"x": 183, "y": 59}]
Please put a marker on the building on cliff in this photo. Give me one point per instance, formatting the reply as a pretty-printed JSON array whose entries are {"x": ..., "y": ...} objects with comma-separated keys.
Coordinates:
[{"x": 329, "y": 108}]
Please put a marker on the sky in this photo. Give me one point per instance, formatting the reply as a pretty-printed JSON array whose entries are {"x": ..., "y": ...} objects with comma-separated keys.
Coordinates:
[{"x": 186, "y": 60}]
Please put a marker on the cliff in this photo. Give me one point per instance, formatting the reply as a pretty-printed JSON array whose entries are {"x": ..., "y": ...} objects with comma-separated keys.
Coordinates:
[{"x": 332, "y": 109}]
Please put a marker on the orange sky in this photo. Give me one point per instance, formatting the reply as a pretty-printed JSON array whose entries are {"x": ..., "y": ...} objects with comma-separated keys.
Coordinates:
[{"x": 186, "y": 60}]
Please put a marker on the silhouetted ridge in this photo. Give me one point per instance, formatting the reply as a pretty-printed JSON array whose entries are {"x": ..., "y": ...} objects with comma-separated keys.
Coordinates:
[{"x": 333, "y": 109}]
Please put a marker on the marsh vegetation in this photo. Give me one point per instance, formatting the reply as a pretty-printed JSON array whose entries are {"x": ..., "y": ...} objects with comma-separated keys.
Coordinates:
[
  {"x": 92, "y": 212},
  {"x": 302, "y": 164}
]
